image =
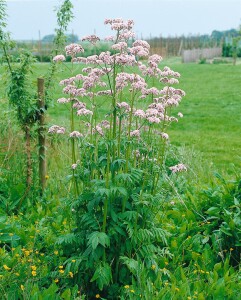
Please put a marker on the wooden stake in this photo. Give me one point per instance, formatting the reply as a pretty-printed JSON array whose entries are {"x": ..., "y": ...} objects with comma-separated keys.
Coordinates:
[{"x": 41, "y": 136}]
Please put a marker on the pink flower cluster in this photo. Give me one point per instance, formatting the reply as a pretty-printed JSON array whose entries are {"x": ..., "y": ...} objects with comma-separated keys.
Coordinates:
[
  {"x": 56, "y": 129},
  {"x": 63, "y": 100},
  {"x": 102, "y": 69},
  {"x": 139, "y": 113},
  {"x": 123, "y": 105},
  {"x": 121, "y": 46},
  {"x": 84, "y": 112},
  {"x": 135, "y": 133},
  {"x": 59, "y": 58},
  {"x": 119, "y": 24},
  {"x": 75, "y": 134},
  {"x": 73, "y": 49},
  {"x": 178, "y": 168},
  {"x": 91, "y": 38},
  {"x": 135, "y": 80}
]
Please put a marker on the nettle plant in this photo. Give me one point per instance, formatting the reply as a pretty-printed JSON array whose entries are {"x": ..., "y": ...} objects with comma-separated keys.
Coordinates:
[{"x": 117, "y": 162}]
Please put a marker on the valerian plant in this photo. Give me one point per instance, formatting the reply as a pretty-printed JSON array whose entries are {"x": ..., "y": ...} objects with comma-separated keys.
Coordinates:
[{"x": 117, "y": 163}]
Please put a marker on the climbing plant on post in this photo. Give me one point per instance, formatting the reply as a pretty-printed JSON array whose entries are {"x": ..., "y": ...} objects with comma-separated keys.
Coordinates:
[
  {"x": 28, "y": 104},
  {"x": 41, "y": 136}
]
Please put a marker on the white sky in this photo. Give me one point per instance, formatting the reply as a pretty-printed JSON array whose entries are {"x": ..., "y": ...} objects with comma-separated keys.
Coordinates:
[{"x": 152, "y": 17}]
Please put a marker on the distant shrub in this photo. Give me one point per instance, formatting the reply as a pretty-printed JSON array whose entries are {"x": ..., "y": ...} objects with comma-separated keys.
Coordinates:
[
  {"x": 217, "y": 61},
  {"x": 202, "y": 61}
]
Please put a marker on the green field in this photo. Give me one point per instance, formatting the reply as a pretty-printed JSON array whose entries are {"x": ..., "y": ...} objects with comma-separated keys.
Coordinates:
[{"x": 211, "y": 108}]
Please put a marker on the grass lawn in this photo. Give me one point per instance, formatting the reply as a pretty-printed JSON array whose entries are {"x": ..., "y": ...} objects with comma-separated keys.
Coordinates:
[{"x": 211, "y": 109}]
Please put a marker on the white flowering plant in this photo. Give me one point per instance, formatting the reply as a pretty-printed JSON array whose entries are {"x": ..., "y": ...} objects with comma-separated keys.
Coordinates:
[{"x": 117, "y": 162}]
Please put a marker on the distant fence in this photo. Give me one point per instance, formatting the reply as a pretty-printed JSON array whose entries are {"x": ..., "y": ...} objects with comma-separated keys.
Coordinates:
[{"x": 196, "y": 54}]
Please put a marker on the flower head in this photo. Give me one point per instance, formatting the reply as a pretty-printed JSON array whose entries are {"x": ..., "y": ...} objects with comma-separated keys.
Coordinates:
[
  {"x": 91, "y": 38},
  {"x": 59, "y": 58},
  {"x": 75, "y": 134},
  {"x": 56, "y": 129},
  {"x": 178, "y": 168},
  {"x": 73, "y": 49}
]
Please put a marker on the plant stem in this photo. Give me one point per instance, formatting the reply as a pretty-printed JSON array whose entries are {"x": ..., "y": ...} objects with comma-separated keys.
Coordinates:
[{"x": 129, "y": 130}]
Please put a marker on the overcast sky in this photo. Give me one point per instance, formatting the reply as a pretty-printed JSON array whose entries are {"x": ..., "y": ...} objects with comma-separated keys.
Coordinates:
[{"x": 26, "y": 18}]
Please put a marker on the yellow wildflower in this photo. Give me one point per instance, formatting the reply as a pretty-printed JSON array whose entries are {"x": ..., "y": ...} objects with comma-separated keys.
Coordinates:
[
  {"x": 61, "y": 267},
  {"x": 127, "y": 286},
  {"x": 231, "y": 249},
  {"x": 73, "y": 260},
  {"x": 6, "y": 267},
  {"x": 153, "y": 267},
  {"x": 22, "y": 287},
  {"x": 11, "y": 234},
  {"x": 64, "y": 223},
  {"x": 56, "y": 252},
  {"x": 27, "y": 253},
  {"x": 166, "y": 263},
  {"x": 189, "y": 298},
  {"x": 71, "y": 274},
  {"x": 177, "y": 289},
  {"x": 17, "y": 274},
  {"x": 34, "y": 268},
  {"x": 46, "y": 176},
  {"x": 34, "y": 273},
  {"x": 37, "y": 252},
  {"x": 56, "y": 280},
  {"x": 132, "y": 291},
  {"x": 61, "y": 271},
  {"x": 97, "y": 296}
]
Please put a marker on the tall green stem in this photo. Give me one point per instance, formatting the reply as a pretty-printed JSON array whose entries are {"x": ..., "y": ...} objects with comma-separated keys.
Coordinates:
[{"x": 129, "y": 130}]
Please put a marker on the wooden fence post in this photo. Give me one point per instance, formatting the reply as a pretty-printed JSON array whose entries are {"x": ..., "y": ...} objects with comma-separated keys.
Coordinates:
[{"x": 41, "y": 136}]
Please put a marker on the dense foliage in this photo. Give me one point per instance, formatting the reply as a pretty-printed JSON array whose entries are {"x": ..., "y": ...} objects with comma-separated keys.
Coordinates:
[{"x": 124, "y": 215}]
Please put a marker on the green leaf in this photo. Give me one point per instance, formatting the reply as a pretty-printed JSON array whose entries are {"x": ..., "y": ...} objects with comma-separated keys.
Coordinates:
[
  {"x": 119, "y": 190},
  {"x": 226, "y": 231},
  {"x": 66, "y": 295},
  {"x": 96, "y": 238},
  {"x": 131, "y": 264},
  {"x": 103, "y": 192},
  {"x": 205, "y": 240},
  {"x": 213, "y": 211},
  {"x": 102, "y": 275}
]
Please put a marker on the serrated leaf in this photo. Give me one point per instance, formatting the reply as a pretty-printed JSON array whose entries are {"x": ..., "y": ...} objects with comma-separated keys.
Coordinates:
[
  {"x": 96, "y": 238},
  {"x": 102, "y": 275}
]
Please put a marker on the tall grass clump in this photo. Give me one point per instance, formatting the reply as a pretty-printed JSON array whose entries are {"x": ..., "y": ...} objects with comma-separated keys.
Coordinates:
[{"x": 118, "y": 163}]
